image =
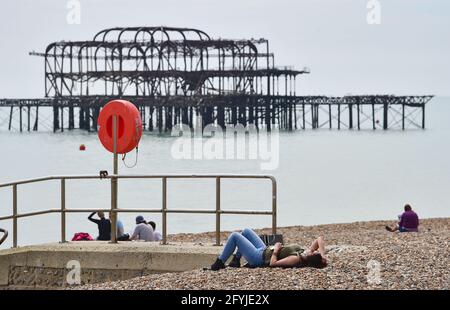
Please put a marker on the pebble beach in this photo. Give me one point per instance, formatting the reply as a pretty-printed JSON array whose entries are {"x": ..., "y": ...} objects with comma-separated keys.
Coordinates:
[{"x": 361, "y": 255}]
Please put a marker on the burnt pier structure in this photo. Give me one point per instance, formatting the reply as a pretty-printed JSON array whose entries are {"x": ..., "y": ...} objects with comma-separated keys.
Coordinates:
[{"x": 182, "y": 75}]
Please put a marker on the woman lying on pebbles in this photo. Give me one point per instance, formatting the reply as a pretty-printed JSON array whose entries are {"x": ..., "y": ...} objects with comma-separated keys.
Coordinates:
[{"x": 257, "y": 254}]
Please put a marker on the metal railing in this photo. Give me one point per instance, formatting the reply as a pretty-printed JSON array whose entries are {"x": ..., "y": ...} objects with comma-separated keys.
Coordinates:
[{"x": 164, "y": 210}]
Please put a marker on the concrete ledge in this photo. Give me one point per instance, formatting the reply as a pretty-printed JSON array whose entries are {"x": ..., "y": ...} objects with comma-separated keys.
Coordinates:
[{"x": 45, "y": 265}]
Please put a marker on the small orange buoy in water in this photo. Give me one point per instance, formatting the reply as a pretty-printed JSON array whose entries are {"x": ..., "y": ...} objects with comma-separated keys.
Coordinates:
[{"x": 82, "y": 147}]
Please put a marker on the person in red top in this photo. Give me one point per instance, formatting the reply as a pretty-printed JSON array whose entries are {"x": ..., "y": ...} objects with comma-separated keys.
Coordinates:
[{"x": 409, "y": 221}]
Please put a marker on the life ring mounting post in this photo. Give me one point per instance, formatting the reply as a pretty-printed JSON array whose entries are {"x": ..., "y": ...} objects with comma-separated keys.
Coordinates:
[{"x": 120, "y": 130}]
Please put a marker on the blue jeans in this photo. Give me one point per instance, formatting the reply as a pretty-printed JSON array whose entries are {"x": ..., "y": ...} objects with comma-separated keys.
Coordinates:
[
  {"x": 404, "y": 229},
  {"x": 248, "y": 244}
]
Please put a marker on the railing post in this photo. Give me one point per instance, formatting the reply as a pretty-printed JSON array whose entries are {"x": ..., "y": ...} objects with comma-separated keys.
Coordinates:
[
  {"x": 217, "y": 210},
  {"x": 164, "y": 210},
  {"x": 63, "y": 210},
  {"x": 15, "y": 215},
  {"x": 274, "y": 205}
]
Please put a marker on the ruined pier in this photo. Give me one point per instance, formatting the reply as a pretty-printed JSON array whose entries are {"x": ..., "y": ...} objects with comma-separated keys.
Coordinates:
[{"x": 179, "y": 75}]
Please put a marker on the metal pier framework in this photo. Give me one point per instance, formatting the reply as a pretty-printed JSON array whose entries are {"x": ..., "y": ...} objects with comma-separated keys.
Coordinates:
[{"x": 181, "y": 75}]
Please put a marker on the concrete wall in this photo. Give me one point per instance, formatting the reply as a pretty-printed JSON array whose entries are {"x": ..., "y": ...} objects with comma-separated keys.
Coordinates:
[{"x": 44, "y": 266}]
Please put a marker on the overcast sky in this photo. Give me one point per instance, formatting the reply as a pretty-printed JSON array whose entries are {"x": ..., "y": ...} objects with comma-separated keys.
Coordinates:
[{"x": 408, "y": 53}]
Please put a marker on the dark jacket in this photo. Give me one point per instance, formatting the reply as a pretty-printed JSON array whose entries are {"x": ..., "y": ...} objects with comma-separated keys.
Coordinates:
[{"x": 104, "y": 227}]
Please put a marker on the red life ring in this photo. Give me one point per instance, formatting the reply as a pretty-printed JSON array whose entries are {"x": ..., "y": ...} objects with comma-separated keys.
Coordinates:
[{"x": 129, "y": 126}]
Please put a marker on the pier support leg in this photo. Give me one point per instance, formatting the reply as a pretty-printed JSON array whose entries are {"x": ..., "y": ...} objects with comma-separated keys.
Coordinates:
[
  {"x": 55, "y": 118},
  {"x": 272, "y": 114},
  {"x": 385, "y": 115},
  {"x": 95, "y": 118},
  {"x": 160, "y": 119},
  {"x": 150, "y": 119},
  {"x": 278, "y": 117},
  {"x": 221, "y": 117},
  {"x": 88, "y": 119},
  {"x": 36, "y": 120},
  {"x": 185, "y": 116},
  {"x": 234, "y": 116},
  {"x": 268, "y": 114},
  {"x": 71, "y": 118},
  {"x": 251, "y": 115},
  {"x": 358, "y": 116},
  {"x": 290, "y": 117},
  {"x": 339, "y": 116},
  {"x": 169, "y": 119},
  {"x": 403, "y": 117},
  {"x": 294, "y": 106},
  {"x": 329, "y": 117},
  {"x": 28, "y": 119},
  {"x": 62, "y": 119},
  {"x": 303, "y": 116},
  {"x": 81, "y": 118},
  {"x": 316, "y": 116},
  {"x": 423, "y": 116},
  {"x": 373, "y": 116},
  {"x": 10, "y": 117},
  {"x": 143, "y": 116},
  {"x": 191, "y": 117},
  {"x": 350, "y": 116},
  {"x": 20, "y": 118}
]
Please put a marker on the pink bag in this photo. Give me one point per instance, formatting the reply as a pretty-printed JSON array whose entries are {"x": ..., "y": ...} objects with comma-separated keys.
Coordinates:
[{"x": 81, "y": 236}]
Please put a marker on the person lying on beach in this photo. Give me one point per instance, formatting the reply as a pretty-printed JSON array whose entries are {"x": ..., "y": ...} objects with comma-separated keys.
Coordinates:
[
  {"x": 257, "y": 254},
  {"x": 103, "y": 224},
  {"x": 409, "y": 221}
]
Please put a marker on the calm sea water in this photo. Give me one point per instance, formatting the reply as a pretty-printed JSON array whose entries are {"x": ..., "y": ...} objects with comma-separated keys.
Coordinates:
[{"x": 323, "y": 177}]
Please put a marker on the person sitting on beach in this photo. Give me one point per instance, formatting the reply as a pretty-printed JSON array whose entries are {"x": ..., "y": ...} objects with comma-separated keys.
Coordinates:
[
  {"x": 257, "y": 254},
  {"x": 104, "y": 226},
  {"x": 142, "y": 231},
  {"x": 156, "y": 234},
  {"x": 409, "y": 221}
]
